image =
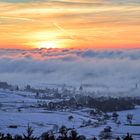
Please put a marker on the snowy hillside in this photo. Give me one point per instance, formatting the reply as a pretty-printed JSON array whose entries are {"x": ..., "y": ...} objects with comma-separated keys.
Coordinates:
[{"x": 19, "y": 110}]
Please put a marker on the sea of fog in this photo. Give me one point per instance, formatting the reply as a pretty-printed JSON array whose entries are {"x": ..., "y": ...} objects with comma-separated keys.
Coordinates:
[{"x": 100, "y": 70}]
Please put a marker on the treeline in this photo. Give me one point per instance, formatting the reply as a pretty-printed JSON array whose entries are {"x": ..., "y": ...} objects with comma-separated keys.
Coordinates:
[
  {"x": 102, "y": 104},
  {"x": 105, "y": 104},
  {"x": 64, "y": 134},
  {"x": 108, "y": 104}
]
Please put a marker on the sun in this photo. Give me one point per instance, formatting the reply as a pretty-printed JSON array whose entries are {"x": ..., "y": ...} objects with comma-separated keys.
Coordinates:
[
  {"x": 46, "y": 44},
  {"x": 46, "y": 40}
]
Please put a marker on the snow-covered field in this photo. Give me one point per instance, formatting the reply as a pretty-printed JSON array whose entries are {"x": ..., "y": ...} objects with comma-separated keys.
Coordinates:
[{"x": 17, "y": 109}]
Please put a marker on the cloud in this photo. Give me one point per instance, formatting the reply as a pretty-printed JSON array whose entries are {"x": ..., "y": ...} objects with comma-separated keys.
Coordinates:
[
  {"x": 105, "y": 68},
  {"x": 81, "y": 23},
  {"x": 15, "y": 1},
  {"x": 69, "y": 24}
]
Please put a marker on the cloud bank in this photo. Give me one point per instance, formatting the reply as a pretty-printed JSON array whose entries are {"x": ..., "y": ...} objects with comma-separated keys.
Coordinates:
[{"x": 97, "y": 68}]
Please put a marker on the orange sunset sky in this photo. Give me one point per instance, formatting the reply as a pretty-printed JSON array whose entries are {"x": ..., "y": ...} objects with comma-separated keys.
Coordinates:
[{"x": 69, "y": 24}]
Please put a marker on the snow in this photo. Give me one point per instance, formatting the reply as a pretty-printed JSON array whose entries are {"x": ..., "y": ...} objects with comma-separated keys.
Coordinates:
[{"x": 43, "y": 120}]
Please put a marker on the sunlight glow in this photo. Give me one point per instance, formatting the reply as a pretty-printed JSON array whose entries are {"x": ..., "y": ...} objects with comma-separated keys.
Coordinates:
[
  {"x": 65, "y": 24},
  {"x": 46, "y": 44}
]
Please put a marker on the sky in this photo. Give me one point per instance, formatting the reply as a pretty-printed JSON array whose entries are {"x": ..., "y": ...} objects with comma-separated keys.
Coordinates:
[
  {"x": 29, "y": 24},
  {"x": 91, "y": 42}
]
